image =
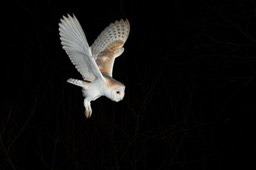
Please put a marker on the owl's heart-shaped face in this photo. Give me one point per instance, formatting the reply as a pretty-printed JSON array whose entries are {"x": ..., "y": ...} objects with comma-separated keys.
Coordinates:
[{"x": 117, "y": 94}]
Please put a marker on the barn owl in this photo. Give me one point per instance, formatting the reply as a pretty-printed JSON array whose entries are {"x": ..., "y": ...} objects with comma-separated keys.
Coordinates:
[{"x": 95, "y": 63}]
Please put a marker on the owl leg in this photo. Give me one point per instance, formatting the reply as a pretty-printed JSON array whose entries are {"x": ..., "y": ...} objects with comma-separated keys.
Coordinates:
[{"x": 88, "y": 109}]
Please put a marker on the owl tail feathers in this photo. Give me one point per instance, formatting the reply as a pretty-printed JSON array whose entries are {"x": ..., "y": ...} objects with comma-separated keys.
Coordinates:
[{"x": 79, "y": 83}]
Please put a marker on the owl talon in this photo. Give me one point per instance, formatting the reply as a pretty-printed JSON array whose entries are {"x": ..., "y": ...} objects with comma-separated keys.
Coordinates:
[
  {"x": 88, "y": 113},
  {"x": 88, "y": 109}
]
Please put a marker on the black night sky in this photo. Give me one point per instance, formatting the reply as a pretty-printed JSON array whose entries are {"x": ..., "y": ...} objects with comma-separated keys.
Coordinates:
[{"x": 189, "y": 68}]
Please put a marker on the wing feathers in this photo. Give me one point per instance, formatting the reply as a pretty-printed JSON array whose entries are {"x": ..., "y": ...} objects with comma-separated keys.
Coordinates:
[
  {"x": 70, "y": 33},
  {"x": 75, "y": 44},
  {"x": 109, "y": 45},
  {"x": 100, "y": 57}
]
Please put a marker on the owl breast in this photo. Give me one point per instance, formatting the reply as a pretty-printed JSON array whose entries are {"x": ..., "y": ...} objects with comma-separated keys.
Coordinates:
[{"x": 93, "y": 91}]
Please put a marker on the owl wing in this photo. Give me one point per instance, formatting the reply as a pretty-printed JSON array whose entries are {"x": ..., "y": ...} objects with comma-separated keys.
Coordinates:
[
  {"x": 75, "y": 44},
  {"x": 109, "y": 45}
]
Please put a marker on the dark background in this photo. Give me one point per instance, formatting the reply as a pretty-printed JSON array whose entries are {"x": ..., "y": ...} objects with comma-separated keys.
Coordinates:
[{"x": 190, "y": 73}]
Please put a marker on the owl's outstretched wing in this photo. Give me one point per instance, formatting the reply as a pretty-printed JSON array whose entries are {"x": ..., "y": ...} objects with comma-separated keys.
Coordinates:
[
  {"x": 109, "y": 45},
  {"x": 75, "y": 44}
]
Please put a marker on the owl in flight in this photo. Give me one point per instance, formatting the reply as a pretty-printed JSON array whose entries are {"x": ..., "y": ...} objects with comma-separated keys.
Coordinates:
[{"x": 95, "y": 63}]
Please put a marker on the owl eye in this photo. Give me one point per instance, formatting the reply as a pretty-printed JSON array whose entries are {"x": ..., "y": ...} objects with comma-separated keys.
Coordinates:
[{"x": 117, "y": 92}]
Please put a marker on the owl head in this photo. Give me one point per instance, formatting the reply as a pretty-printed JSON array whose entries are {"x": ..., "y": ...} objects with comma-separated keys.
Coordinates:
[{"x": 115, "y": 91}]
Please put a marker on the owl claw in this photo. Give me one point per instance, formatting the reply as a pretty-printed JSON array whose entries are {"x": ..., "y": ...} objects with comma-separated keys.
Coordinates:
[
  {"x": 88, "y": 113},
  {"x": 88, "y": 109}
]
